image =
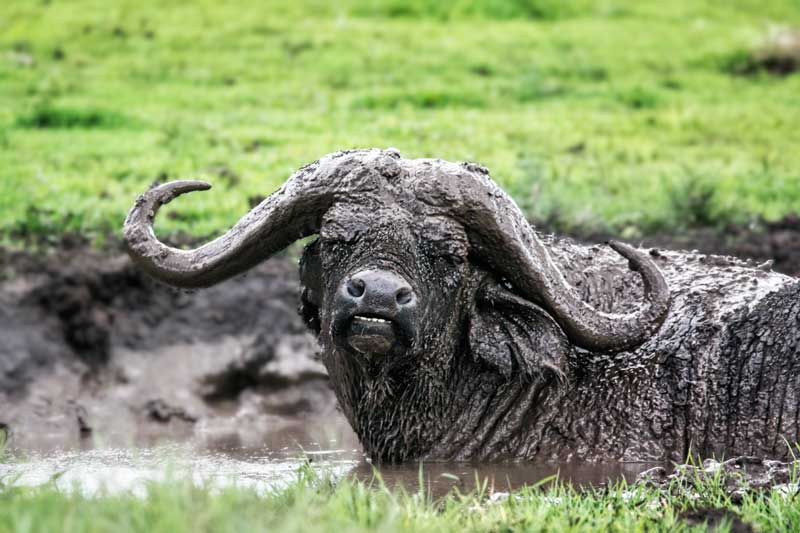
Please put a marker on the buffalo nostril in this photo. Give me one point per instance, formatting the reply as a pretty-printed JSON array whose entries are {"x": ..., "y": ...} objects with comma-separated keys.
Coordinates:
[
  {"x": 355, "y": 288},
  {"x": 404, "y": 296}
]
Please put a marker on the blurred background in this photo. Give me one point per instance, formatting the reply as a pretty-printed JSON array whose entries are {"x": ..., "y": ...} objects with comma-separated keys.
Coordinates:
[
  {"x": 629, "y": 117},
  {"x": 662, "y": 123}
]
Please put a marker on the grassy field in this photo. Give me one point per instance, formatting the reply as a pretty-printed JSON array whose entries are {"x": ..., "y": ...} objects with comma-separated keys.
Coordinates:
[
  {"x": 605, "y": 114},
  {"x": 314, "y": 504}
]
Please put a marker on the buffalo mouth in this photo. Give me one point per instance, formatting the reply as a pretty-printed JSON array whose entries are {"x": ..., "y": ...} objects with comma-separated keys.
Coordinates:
[{"x": 371, "y": 334}]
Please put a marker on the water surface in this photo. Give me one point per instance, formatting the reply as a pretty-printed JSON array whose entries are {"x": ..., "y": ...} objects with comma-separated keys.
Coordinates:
[{"x": 330, "y": 448}]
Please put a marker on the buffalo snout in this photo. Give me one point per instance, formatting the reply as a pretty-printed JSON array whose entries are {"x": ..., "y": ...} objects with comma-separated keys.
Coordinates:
[
  {"x": 380, "y": 292},
  {"x": 376, "y": 312}
]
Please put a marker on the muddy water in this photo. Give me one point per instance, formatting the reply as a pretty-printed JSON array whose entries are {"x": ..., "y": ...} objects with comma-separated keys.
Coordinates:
[
  {"x": 217, "y": 461},
  {"x": 440, "y": 478},
  {"x": 114, "y": 470}
]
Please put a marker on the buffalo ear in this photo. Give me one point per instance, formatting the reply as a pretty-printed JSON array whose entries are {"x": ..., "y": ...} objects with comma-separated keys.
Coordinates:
[
  {"x": 516, "y": 337},
  {"x": 311, "y": 286}
]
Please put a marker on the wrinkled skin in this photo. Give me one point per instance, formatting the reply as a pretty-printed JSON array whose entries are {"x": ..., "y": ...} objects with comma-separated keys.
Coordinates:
[{"x": 450, "y": 330}]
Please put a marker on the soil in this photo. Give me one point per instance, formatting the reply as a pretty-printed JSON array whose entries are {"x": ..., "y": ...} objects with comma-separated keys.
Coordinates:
[
  {"x": 716, "y": 520},
  {"x": 762, "y": 241},
  {"x": 91, "y": 348}
]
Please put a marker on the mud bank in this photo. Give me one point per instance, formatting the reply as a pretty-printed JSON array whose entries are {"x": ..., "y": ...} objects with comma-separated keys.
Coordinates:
[
  {"x": 93, "y": 350},
  {"x": 777, "y": 241}
]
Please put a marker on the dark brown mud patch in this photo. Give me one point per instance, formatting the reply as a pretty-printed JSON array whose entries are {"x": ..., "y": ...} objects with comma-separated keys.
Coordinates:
[
  {"x": 91, "y": 347},
  {"x": 779, "y": 56},
  {"x": 760, "y": 241},
  {"x": 715, "y": 520}
]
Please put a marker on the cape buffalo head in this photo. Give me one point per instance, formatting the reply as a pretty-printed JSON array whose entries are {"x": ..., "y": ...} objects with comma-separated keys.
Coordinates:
[{"x": 425, "y": 285}]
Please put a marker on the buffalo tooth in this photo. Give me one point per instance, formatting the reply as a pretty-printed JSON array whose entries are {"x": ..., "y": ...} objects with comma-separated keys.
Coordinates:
[{"x": 372, "y": 319}]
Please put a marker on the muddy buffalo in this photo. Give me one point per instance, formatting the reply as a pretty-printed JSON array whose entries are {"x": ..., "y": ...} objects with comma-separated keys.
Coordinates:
[{"x": 452, "y": 330}]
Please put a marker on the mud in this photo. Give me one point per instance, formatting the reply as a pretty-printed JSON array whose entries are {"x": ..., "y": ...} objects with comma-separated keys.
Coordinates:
[
  {"x": 90, "y": 348},
  {"x": 715, "y": 520},
  {"x": 105, "y": 470},
  {"x": 777, "y": 241},
  {"x": 439, "y": 478},
  {"x": 738, "y": 477},
  {"x": 326, "y": 451}
]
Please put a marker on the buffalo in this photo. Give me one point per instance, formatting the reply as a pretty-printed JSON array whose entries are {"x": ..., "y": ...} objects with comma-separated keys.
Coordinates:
[{"x": 452, "y": 330}]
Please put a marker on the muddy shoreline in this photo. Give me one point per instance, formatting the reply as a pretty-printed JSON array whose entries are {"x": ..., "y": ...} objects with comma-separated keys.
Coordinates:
[
  {"x": 761, "y": 241},
  {"x": 91, "y": 350}
]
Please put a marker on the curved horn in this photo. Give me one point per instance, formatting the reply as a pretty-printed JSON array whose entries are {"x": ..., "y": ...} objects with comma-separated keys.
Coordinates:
[
  {"x": 499, "y": 233},
  {"x": 497, "y": 228},
  {"x": 291, "y": 213}
]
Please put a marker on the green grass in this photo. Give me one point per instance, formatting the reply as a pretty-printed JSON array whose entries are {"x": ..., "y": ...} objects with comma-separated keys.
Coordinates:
[
  {"x": 590, "y": 113},
  {"x": 48, "y": 117},
  {"x": 316, "y": 504}
]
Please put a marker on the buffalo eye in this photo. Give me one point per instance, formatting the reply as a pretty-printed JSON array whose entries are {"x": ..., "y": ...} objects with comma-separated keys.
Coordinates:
[{"x": 448, "y": 253}]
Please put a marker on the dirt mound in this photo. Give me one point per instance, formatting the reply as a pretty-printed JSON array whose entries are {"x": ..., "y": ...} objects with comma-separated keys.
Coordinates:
[
  {"x": 90, "y": 345},
  {"x": 763, "y": 241},
  {"x": 779, "y": 55}
]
